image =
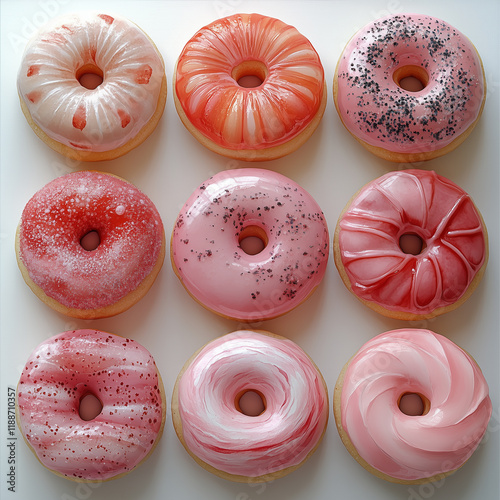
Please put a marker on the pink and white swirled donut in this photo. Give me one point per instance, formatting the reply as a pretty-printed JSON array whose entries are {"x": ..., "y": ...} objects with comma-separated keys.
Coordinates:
[
  {"x": 422, "y": 204},
  {"x": 85, "y": 123},
  {"x": 120, "y": 373},
  {"x": 232, "y": 444},
  {"x": 392, "y": 444},
  {"x": 211, "y": 264},
  {"x": 401, "y": 125},
  {"x": 90, "y": 283},
  {"x": 260, "y": 123}
]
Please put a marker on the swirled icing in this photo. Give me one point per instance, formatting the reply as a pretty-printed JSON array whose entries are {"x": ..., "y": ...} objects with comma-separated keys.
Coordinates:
[
  {"x": 376, "y": 110},
  {"x": 121, "y": 373},
  {"x": 109, "y": 116},
  {"x": 212, "y": 265},
  {"x": 411, "y": 202},
  {"x": 249, "y": 118},
  {"x": 283, "y": 435},
  {"x": 415, "y": 361},
  {"x": 56, "y": 218}
]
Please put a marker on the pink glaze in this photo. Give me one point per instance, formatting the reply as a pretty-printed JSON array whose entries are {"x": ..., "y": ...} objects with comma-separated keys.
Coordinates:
[
  {"x": 120, "y": 373},
  {"x": 61, "y": 213},
  {"x": 418, "y": 361},
  {"x": 417, "y": 202},
  {"x": 217, "y": 272},
  {"x": 236, "y": 117},
  {"x": 95, "y": 120},
  {"x": 283, "y": 435},
  {"x": 376, "y": 110}
]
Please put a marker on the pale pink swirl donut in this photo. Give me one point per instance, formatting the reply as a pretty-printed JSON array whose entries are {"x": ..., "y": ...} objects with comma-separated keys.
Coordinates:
[
  {"x": 81, "y": 282},
  {"x": 398, "y": 124},
  {"x": 250, "y": 123},
  {"x": 232, "y": 444},
  {"x": 374, "y": 266},
  {"x": 121, "y": 373},
  {"x": 85, "y": 123},
  {"x": 209, "y": 261},
  {"x": 412, "y": 448}
]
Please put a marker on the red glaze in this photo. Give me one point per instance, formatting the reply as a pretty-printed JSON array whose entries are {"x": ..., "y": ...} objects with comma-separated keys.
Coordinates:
[{"x": 61, "y": 213}]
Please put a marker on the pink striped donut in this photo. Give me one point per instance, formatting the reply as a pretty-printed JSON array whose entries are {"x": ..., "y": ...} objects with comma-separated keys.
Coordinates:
[
  {"x": 234, "y": 445},
  {"x": 119, "y": 372},
  {"x": 398, "y": 124},
  {"x": 84, "y": 123},
  {"x": 373, "y": 264}
]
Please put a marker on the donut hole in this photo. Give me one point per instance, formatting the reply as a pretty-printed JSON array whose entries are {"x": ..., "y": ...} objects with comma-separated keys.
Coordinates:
[
  {"x": 249, "y": 74},
  {"x": 411, "y": 243},
  {"x": 250, "y": 402},
  {"x": 90, "y": 76},
  {"x": 413, "y": 404},
  {"x": 90, "y": 407},
  {"x": 411, "y": 78},
  {"x": 252, "y": 240},
  {"x": 90, "y": 241}
]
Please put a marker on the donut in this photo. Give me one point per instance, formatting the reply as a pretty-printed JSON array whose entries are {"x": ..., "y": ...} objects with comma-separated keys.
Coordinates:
[
  {"x": 258, "y": 123},
  {"x": 413, "y": 125},
  {"x": 208, "y": 257},
  {"x": 405, "y": 283},
  {"x": 86, "y": 282},
  {"x": 121, "y": 374},
  {"x": 71, "y": 116},
  {"x": 426, "y": 445},
  {"x": 234, "y": 445}
]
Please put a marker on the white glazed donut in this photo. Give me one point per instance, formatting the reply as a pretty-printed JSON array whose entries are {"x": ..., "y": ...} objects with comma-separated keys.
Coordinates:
[
  {"x": 92, "y": 124},
  {"x": 234, "y": 445}
]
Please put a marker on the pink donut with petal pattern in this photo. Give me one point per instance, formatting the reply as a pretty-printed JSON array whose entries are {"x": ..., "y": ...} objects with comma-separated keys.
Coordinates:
[
  {"x": 406, "y": 283},
  {"x": 392, "y": 440}
]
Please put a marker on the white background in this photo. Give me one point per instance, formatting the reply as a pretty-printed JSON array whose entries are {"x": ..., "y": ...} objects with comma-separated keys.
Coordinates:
[{"x": 330, "y": 326}]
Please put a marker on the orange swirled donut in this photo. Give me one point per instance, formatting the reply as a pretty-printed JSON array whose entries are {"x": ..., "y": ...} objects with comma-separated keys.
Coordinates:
[
  {"x": 79, "y": 120},
  {"x": 388, "y": 275},
  {"x": 253, "y": 124}
]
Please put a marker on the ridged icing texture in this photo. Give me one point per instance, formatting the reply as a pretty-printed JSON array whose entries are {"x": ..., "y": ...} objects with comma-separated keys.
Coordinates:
[
  {"x": 375, "y": 109},
  {"x": 411, "y": 202},
  {"x": 249, "y": 118},
  {"x": 62, "y": 370},
  {"x": 96, "y": 120},
  {"x": 214, "y": 268},
  {"x": 280, "y": 437},
  {"x": 56, "y": 218},
  {"x": 415, "y": 361}
]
